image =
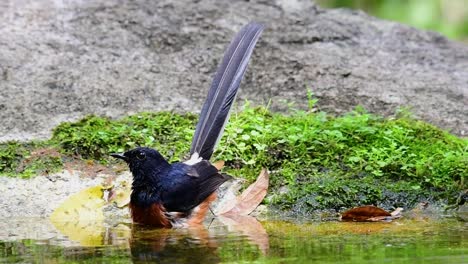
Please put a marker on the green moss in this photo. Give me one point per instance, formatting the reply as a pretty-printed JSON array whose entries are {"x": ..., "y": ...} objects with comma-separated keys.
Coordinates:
[
  {"x": 317, "y": 161},
  {"x": 96, "y": 137},
  {"x": 324, "y": 162},
  {"x": 28, "y": 159}
]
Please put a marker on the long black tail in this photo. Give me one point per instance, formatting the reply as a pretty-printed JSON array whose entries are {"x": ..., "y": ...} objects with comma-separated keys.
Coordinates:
[{"x": 223, "y": 91}]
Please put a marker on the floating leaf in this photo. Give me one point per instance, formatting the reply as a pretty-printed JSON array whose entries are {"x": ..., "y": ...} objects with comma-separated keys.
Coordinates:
[
  {"x": 369, "y": 213},
  {"x": 245, "y": 203}
]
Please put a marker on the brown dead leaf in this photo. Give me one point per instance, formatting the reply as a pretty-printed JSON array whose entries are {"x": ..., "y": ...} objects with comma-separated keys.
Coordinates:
[
  {"x": 250, "y": 197},
  {"x": 366, "y": 213},
  {"x": 393, "y": 215},
  {"x": 219, "y": 164}
]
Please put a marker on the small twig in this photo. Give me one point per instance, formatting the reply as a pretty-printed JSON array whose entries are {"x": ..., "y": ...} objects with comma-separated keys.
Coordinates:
[
  {"x": 211, "y": 210},
  {"x": 212, "y": 219}
]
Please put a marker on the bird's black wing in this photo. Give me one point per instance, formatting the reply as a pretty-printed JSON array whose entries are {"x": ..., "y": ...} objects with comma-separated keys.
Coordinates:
[
  {"x": 187, "y": 186},
  {"x": 222, "y": 93},
  {"x": 208, "y": 179}
]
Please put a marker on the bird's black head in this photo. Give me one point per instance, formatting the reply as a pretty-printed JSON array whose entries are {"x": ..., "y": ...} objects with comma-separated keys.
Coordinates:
[{"x": 144, "y": 163}]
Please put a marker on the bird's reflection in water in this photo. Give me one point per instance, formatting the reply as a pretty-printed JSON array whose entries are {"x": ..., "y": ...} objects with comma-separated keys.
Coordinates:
[
  {"x": 197, "y": 244},
  {"x": 194, "y": 245}
]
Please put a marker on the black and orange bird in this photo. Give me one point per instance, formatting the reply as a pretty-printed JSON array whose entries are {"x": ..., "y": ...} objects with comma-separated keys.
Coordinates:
[{"x": 179, "y": 194}]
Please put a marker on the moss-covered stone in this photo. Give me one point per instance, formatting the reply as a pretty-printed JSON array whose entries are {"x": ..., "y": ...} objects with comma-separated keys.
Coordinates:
[{"x": 317, "y": 161}]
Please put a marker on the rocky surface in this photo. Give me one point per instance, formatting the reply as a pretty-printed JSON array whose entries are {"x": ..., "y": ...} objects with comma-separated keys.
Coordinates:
[
  {"x": 61, "y": 60},
  {"x": 39, "y": 196},
  {"x": 26, "y": 205}
]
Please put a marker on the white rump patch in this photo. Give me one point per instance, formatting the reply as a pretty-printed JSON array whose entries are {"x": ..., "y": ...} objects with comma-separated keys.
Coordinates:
[{"x": 194, "y": 159}]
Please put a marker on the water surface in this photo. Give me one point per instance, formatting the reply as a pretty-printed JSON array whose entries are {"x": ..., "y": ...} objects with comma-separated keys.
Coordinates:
[{"x": 234, "y": 241}]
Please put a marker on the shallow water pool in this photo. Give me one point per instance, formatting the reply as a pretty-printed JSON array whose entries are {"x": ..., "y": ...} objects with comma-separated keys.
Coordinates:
[{"x": 236, "y": 241}]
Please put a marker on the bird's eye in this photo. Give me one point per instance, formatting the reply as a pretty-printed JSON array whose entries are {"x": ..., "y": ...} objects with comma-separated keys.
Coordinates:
[{"x": 141, "y": 155}]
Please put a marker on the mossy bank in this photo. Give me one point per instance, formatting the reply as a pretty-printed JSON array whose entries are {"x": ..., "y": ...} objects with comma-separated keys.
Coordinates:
[{"x": 317, "y": 161}]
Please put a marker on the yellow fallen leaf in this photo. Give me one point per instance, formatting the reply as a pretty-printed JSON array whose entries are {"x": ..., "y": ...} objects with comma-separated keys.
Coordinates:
[
  {"x": 121, "y": 197},
  {"x": 80, "y": 217},
  {"x": 84, "y": 205},
  {"x": 87, "y": 234},
  {"x": 120, "y": 193}
]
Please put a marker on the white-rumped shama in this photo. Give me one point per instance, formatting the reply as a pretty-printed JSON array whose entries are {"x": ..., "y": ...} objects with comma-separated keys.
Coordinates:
[{"x": 179, "y": 194}]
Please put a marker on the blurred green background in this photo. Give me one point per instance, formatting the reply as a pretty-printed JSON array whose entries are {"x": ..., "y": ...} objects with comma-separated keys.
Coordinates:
[{"x": 449, "y": 17}]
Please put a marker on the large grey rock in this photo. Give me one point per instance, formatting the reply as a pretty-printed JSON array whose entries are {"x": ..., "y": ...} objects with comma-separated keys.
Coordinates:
[{"x": 60, "y": 60}]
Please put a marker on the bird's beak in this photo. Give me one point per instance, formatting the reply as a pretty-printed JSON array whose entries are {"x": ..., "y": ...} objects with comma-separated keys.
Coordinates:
[{"x": 119, "y": 156}]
